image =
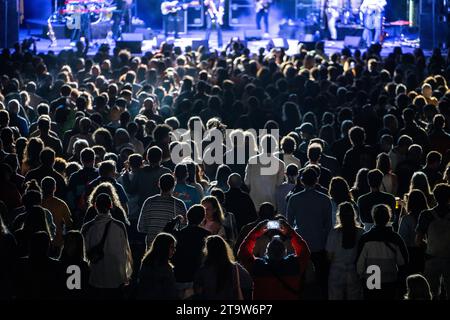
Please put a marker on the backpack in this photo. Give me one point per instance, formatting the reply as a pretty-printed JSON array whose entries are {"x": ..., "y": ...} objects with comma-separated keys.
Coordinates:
[{"x": 438, "y": 236}]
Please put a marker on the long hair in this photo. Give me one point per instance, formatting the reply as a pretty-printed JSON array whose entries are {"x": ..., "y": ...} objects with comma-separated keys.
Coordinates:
[
  {"x": 73, "y": 250},
  {"x": 223, "y": 172},
  {"x": 158, "y": 254},
  {"x": 384, "y": 163},
  {"x": 419, "y": 181},
  {"x": 361, "y": 183},
  {"x": 346, "y": 220},
  {"x": 339, "y": 190},
  {"x": 32, "y": 152},
  {"x": 417, "y": 202},
  {"x": 219, "y": 256},
  {"x": 218, "y": 214},
  {"x": 103, "y": 137},
  {"x": 200, "y": 174},
  {"x": 418, "y": 288},
  {"x": 108, "y": 188}
]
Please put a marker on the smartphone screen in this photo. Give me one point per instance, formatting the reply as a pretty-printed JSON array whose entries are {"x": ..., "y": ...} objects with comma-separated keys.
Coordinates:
[{"x": 273, "y": 225}]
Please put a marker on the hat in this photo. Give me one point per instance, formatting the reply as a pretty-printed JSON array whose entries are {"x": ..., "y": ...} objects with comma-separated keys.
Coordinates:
[{"x": 306, "y": 127}]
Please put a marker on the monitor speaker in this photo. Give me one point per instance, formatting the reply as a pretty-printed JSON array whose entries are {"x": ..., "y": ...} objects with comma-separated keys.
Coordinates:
[
  {"x": 352, "y": 42},
  {"x": 9, "y": 23},
  {"x": 197, "y": 43},
  {"x": 131, "y": 41}
]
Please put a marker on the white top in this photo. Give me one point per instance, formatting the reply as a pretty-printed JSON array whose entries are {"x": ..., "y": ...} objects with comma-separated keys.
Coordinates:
[
  {"x": 114, "y": 269},
  {"x": 373, "y": 5},
  {"x": 290, "y": 158},
  {"x": 263, "y": 175}
]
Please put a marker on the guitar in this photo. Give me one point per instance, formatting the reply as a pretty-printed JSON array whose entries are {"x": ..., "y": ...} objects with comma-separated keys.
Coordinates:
[
  {"x": 170, "y": 7},
  {"x": 263, "y": 5},
  {"x": 215, "y": 14},
  {"x": 73, "y": 21}
]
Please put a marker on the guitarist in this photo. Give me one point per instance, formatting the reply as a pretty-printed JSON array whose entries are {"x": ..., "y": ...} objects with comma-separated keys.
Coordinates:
[
  {"x": 215, "y": 10},
  {"x": 123, "y": 12},
  {"x": 372, "y": 17},
  {"x": 332, "y": 8},
  {"x": 81, "y": 24},
  {"x": 262, "y": 13},
  {"x": 169, "y": 10}
]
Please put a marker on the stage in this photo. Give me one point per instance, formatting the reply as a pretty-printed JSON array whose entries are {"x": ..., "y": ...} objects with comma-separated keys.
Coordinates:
[{"x": 43, "y": 44}]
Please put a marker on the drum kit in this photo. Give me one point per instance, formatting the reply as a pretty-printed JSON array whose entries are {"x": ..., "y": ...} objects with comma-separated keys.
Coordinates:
[{"x": 98, "y": 11}]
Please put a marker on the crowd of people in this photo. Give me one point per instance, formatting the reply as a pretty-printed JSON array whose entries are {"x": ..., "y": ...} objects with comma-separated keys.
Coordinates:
[{"x": 94, "y": 205}]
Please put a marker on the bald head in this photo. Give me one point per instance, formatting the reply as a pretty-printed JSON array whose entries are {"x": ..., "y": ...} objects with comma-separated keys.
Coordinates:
[{"x": 234, "y": 180}]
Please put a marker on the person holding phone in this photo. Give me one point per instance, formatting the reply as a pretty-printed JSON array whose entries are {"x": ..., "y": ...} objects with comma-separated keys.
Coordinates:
[{"x": 276, "y": 275}]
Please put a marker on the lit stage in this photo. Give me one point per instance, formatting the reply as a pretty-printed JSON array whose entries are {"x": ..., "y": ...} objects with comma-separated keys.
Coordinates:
[{"x": 43, "y": 44}]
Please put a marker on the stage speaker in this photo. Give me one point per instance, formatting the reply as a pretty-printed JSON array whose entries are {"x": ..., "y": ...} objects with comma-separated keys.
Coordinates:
[
  {"x": 352, "y": 42},
  {"x": 9, "y": 22},
  {"x": 147, "y": 33},
  {"x": 433, "y": 32},
  {"x": 159, "y": 40},
  {"x": 280, "y": 43},
  {"x": 197, "y": 43},
  {"x": 131, "y": 41},
  {"x": 252, "y": 35}
]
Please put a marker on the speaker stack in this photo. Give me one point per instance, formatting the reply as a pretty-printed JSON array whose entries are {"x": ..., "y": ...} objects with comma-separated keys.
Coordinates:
[
  {"x": 433, "y": 24},
  {"x": 9, "y": 21}
]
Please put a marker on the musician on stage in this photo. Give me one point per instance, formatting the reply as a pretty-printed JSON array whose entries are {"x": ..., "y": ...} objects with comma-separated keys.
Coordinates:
[
  {"x": 332, "y": 14},
  {"x": 170, "y": 11},
  {"x": 123, "y": 12},
  {"x": 372, "y": 17},
  {"x": 81, "y": 24},
  {"x": 215, "y": 10},
  {"x": 262, "y": 13}
]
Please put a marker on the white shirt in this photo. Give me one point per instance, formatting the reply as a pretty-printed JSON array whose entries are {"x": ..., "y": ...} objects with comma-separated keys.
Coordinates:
[
  {"x": 373, "y": 4},
  {"x": 114, "y": 269},
  {"x": 263, "y": 179}
]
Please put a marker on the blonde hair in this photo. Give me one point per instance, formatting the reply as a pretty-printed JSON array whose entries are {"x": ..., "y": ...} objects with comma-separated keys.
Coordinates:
[{"x": 108, "y": 188}]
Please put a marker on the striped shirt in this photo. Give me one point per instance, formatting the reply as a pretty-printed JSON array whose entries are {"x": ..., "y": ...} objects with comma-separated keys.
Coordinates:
[{"x": 156, "y": 212}]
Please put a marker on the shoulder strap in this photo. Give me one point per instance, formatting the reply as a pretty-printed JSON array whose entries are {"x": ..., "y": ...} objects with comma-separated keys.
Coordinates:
[
  {"x": 281, "y": 280},
  {"x": 105, "y": 233}
]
